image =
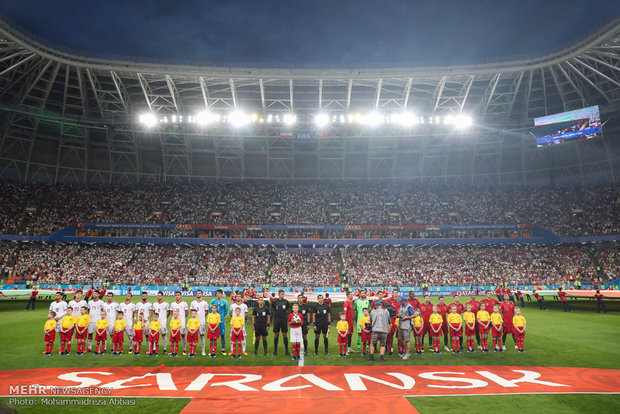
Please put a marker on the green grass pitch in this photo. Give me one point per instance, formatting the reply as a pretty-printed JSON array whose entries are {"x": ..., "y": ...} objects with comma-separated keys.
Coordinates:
[{"x": 582, "y": 338}]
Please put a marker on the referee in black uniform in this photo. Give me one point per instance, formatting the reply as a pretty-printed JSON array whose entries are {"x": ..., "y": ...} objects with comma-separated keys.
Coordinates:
[
  {"x": 304, "y": 309},
  {"x": 261, "y": 318},
  {"x": 321, "y": 319},
  {"x": 280, "y": 311}
]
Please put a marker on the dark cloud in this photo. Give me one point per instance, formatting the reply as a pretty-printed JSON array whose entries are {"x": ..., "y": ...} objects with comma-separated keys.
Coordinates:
[{"x": 321, "y": 32}]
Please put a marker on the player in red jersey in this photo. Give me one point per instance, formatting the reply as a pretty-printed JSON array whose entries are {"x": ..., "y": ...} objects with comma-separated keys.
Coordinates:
[
  {"x": 475, "y": 307},
  {"x": 443, "y": 311},
  {"x": 349, "y": 309},
  {"x": 395, "y": 305},
  {"x": 600, "y": 303},
  {"x": 415, "y": 304},
  {"x": 327, "y": 300},
  {"x": 508, "y": 311},
  {"x": 541, "y": 301},
  {"x": 426, "y": 308},
  {"x": 498, "y": 292},
  {"x": 562, "y": 296},
  {"x": 379, "y": 299},
  {"x": 489, "y": 301}
]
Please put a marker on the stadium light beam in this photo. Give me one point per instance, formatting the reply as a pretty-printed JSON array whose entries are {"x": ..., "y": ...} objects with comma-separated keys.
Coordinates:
[
  {"x": 373, "y": 119},
  {"x": 148, "y": 119},
  {"x": 289, "y": 119},
  {"x": 405, "y": 119},
  {"x": 321, "y": 120},
  {"x": 206, "y": 118},
  {"x": 462, "y": 121},
  {"x": 239, "y": 118}
]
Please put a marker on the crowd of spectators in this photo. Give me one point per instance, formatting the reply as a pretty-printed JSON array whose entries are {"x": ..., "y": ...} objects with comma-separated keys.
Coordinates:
[
  {"x": 42, "y": 210},
  {"x": 253, "y": 266}
]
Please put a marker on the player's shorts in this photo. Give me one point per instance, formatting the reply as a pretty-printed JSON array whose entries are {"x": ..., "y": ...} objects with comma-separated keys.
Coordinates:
[
  {"x": 66, "y": 336},
  {"x": 418, "y": 331},
  {"x": 365, "y": 336},
  {"x": 496, "y": 331},
  {"x": 192, "y": 338},
  {"x": 470, "y": 331},
  {"x": 444, "y": 327},
  {"x": 81, "y": 335},
  {"x": 215, "y": 334},
  {"x": 137, "y": 336},
  {"x": 163, "y": 330},
  {"x": 280, "y": 325},
  {"x": 260, "y": 330},
  {"x": 118, "y": 337},
  {"x": 154, "y": 338},
  {"x": 202, "y": 329},
  {"x": 101, "y": 337},
  {"x": 508, "y": 327},
  {"x": 322, "y": 328},
  {"x": 183, "y": 329},
  {"x": 92, "y": 328},
  {"x": 296, "y": 335},
  {"x": 237, "y": 337},
  {"x": 404, "y": 334},
  {"x": 175, "y": 337},
  {"x": 351, "y": 324},
  {"x": 483, "y": 330},
  {"x": 304, "y": 329},
  {"x": 50, "y": 337},
  {"x": 110, "y": 329},
  {"x": 129, "y": 330},
  {"x": 222, "y": 326},
  {"x": 393, "y": 327},
  {"x": 343, "y": 339},
  {"x": 379, "y": 337},
  {"x": 434, "y": 328}
]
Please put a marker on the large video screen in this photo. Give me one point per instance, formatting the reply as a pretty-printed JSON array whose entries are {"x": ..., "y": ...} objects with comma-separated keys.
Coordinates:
[{"x": 568, "y": 126}]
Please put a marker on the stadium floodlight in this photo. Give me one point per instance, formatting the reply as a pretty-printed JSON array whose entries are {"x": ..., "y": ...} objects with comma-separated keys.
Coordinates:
[
  {"x": 448, "y": 119},
  {"x": 321, "y": 120},
  {"x": 148, "y": 119},
  {"x": 462, "y": 121},
  {"x": 289, "y": 119},
  {"x": 238, "y": 118},
  {"x": 373, "y": 119},
  {"x": 207, "y": 117},
  {"x": 405, "y": 119}
]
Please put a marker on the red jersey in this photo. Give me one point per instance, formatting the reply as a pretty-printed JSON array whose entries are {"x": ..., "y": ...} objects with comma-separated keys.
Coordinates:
[
  {"x": 394, "y": 303},
  {"x": 271, "y": 299},
  {"x": 443, "y": 310},
  {"x": 290, "y": 320},
  {"x": 459, "y": 307},
  {"x": 305, "y": 299},
  {"x": 508, "y": 311},
  {"x": 488, "y": 304},
  {"x": 328, "y": 301},
  {"x": 537, "y": 296},
  {"x": 426, "y": 310},
  {"x": 475, "y": 305},
  {"x": 89, "y": 293},
  {"x": 519, "y": 294},
  {"x": 102, "y": 292},
  {"x": 348, "y": 308},
  {"x": 498, "y": 292},
  {"x": 562, "y": 296},
  {"x": 599, "y": 297},
  {"x": 34, "y": 294},
  {"x": 415, "y": 304}
]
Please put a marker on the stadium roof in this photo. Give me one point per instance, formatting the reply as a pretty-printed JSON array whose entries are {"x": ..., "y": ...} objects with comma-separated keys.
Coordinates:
[{"x": 95, "y": 103}]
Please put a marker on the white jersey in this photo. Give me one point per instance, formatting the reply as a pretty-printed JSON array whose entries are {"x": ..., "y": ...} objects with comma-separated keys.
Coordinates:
[
  {"x": 243, "y": 307},
  {"x": 128, "y": 309},
  {"x": 76, "y": 306},
  {"x": 60, "y": 308},
  {"x": 110, "y": 308},
  {"x": 94, "y": 310},
  {"x": 181, "y": 307},
  {"x": 201, "y": 308},
  {"x": 162, "y": 310},
  {"x": 145, "y": 309}
]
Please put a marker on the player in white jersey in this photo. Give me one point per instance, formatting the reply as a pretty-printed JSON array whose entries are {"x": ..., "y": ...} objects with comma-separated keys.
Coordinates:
[
  {"x": 129, "y": 310},
  {"x": 60, "y": 307},
  {"x": 244, "y": 312},
  {"x": 77, "y": 302},
  {"x": 95, "y": 306},
  {"x": 162, "y": 308},
  {"x": 181, "y": 306},
  {"x": 201, "y": 307},
  {"x": 145, "y": 308},
  {"x": 110, "y": 308}
]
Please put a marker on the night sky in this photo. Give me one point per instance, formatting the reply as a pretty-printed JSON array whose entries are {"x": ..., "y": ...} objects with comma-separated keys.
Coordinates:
[{"x": 311, "y": 32}]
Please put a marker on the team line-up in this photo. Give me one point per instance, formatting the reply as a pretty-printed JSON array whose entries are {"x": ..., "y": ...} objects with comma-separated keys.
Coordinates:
[{"x": 376, "y": 322}]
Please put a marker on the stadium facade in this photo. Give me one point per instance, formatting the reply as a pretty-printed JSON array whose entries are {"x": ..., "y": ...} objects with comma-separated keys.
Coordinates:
[{"x": 69, "y": 118}]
